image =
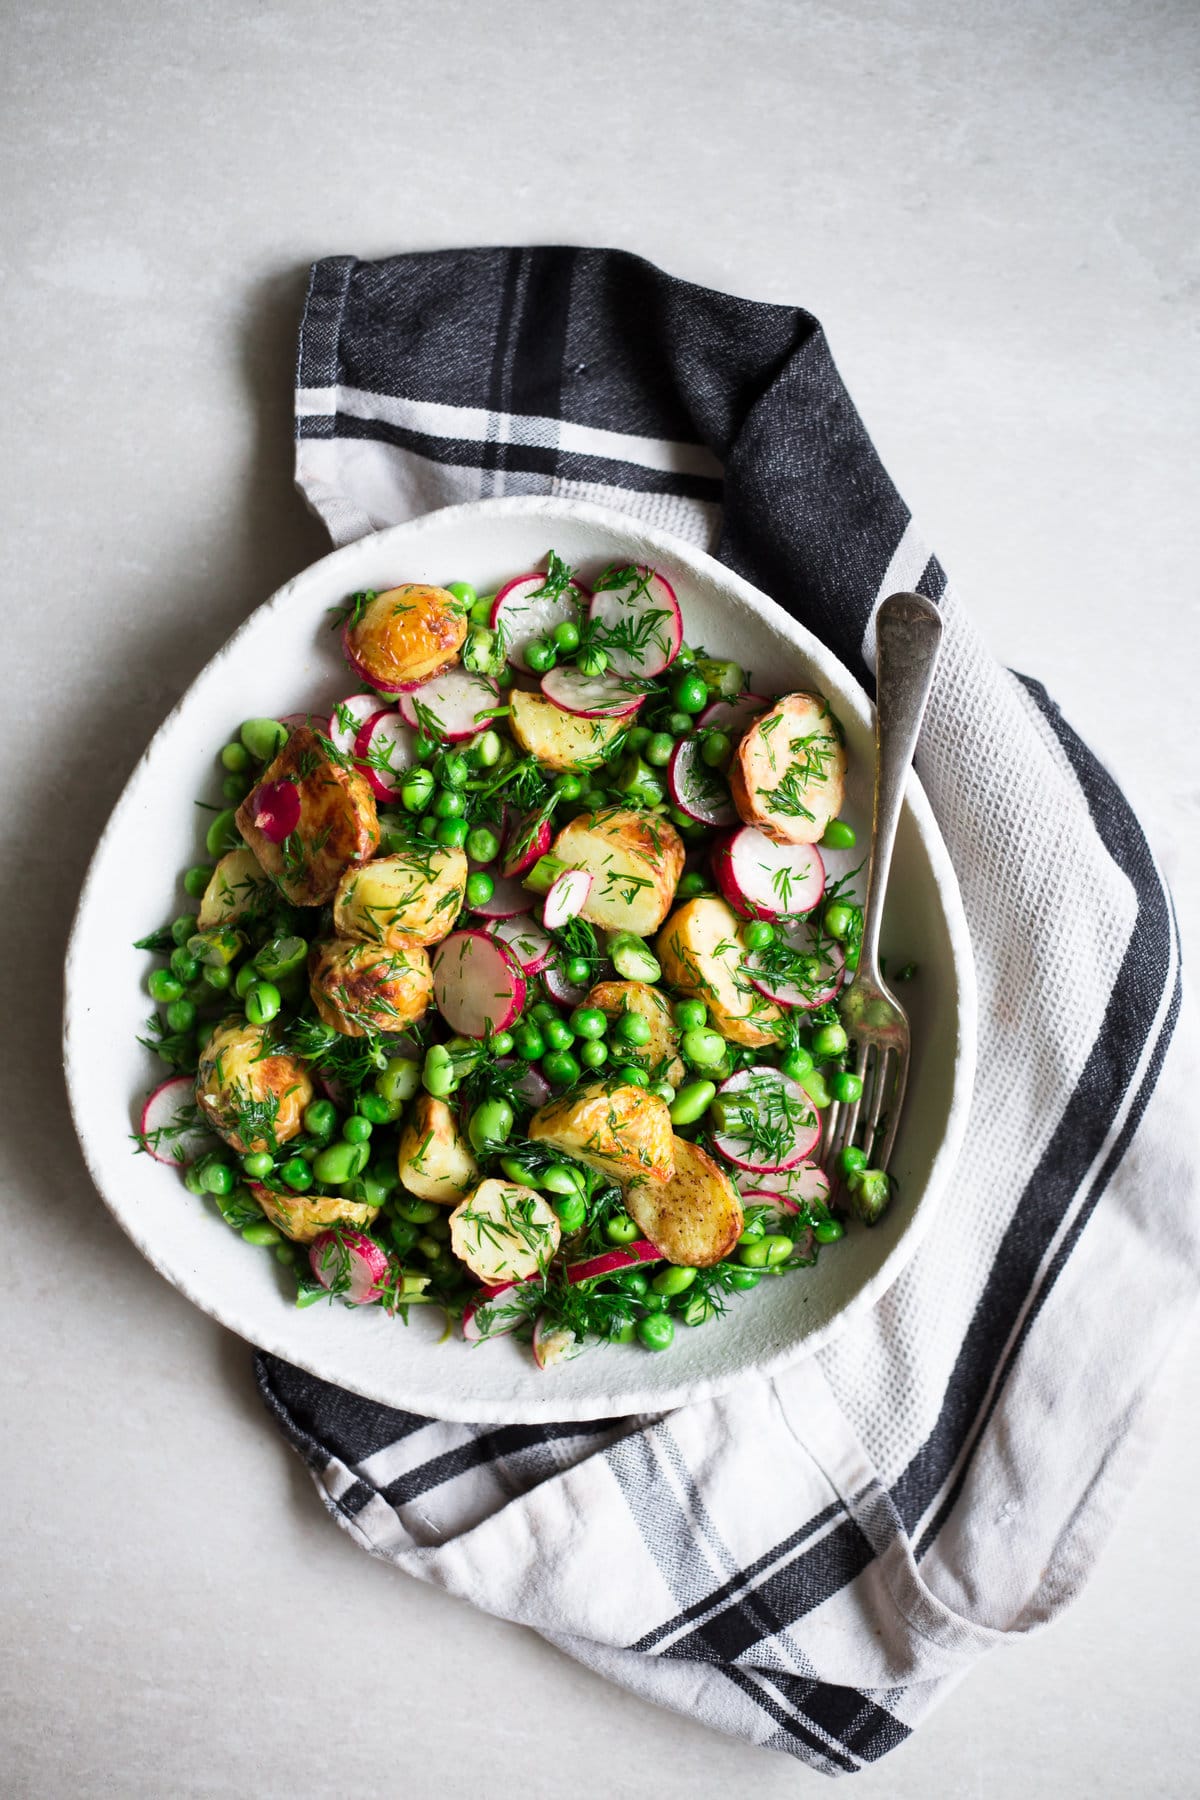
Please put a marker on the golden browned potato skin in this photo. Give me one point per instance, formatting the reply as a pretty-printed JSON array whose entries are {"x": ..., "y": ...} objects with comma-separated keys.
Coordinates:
[
  {"x": 635, "y": 860},
  {"x": 237, "y": 1069},
  {"x": 696, "y": 1218},
  {"x": 775, "y": 746},
  {"x": 411, "y": 898},
  {"x": 562, "y": 740},
  {"x": 338, "y": 824},
  {"x": 624, "y": 1132},
  {"x": 434, "y": 1159},
  {"x": 406, "y": 635},
  {"x": 303, "y": 1217},
  {"x": 358, "y": 988},
  {"x": 661, "y": 1054},
  {"x": 701, "y": 952}
]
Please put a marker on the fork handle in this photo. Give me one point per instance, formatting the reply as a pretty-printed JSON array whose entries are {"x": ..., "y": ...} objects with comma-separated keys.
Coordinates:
[{"x": 908, "y": 638}]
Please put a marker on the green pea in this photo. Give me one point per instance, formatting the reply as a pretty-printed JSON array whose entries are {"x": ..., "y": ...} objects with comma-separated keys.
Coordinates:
[
  {"x": 568, "y": 788},
  {"x": 629, "y": 1076},
  {"x": 839, "y": 919},
  {"x": 558, "y": 1034},
  {"x": 692, "y": 1101},
  {"x": 281, "y": 957},
  {"x": 560, "y": 1068},
  {"x": 571, "y": 1211},
  {"x": 717, "y": 749},
  {"x": 234, "y": 788},
  {"x": 164, "y": 987},
  {"x": 197, "y": 879},
  {"x": 193, "y": 1179},
  {"x": 593, "y": 799},
  {"x": 483, "y": 845},
  {"x": 561, "y": 1178},
  {"x": 183, "y": 965},
  {"x": 593, "y": 1054},
  {"x": 264, "y": 1235},
  {"x": 541, "y": 655},
  {"x": 828, "y": 1231},
  {"x": 660, "y": 749},
  {"x": 235, "y": 758},
  {"x": 183, "y": 928},
  {"x": 588, "y": 1022},
  {"x": 490, "y": 1124},
  {"x": 502, "y": 1043},
  {"x": 796, "y": 1063},
  {"x": 456, "y": 771},
  {"x": 591, "y": 661},
  {"x": 335, "y": 1165},
  {"x": 690, "y": 1015},
  {"x": 829, "y": 1040},
  {"x": 637, "y": 737},
  {"x": 838, "y": 835},
  {"x": 635, "y": 1282},
  {"x": 426, "y": 748},
  {"x": 702, "y": 1048},
  {"x": 320, "y": 1118},
  {"x": 385, "y": 1176},
  {"x": 263, "y": 738},
  {"x": 258, "y": 1164},
  {"x": 297, "y": 1174},
  {"x": 452, "y": 833},
  {"x": 690, "y": 885},
  {"x": 529, "y": 1043},
  {"x": 448, "y": 804},
  {"x": 846, "y": 1087},
  {"x": 416, "y": 790},
  {"x": 851, "y": 1158},
  {"x": 566, "y": 635},
  {"x": 181, "y": 1015},
  {"x": 218, "y": 978},
  {"x": 222, "y": 835},
  {"x": 263, "y": 1002},
  {"x": 543, "y": 1011},
  {"x": 403, "y": 1235},
  {"x": 285, "y": 1253},
  {"x": 463, "y": 592},
  {"x": 689, "y": 692},
  {"x": 398, "y": 1080},
  {"x": 620, "y": 1229},
  {"x": 417, "y": 1212},
  {"x": 577, "y": 970},
  {"x": 679, "y": 724},
  {"x": 673, "y": 1280},
  {"x": 742, "y": 1279},
  {"x": 658, "y": 1331},
  {"x": 479, "y": 889},
  {"x": 356, "y": 1129},
  {"x": 755, "y": 1228},
  {"x": 633, "y": 1028},
  {"x": 378, "y": 1110},
  {"x": 664, "y": 1090},
  {"x": 216, "y": 1177},
  {"x": 758, "y": 934},
  {"x": 853, "y": 952}
]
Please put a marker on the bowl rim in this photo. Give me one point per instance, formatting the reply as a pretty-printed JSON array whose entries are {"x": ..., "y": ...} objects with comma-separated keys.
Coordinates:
[{"x": 626, "y": 1400}]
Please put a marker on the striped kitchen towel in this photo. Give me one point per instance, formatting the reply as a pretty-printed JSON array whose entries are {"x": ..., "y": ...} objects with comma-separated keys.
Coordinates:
[{"x": 809, "y": 1562}]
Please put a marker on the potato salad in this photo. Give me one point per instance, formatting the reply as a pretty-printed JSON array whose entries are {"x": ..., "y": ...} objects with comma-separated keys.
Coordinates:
[{"x": 511, "y": 984}]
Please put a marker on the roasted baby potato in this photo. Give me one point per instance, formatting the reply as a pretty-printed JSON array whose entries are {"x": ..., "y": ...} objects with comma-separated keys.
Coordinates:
[
  {"x": 251, "y": 1093},
  {"x": 561, "y": 740},
  {"x": 411, "y": 898},
  {"x": 504, "y": 1232},
  {"x": 695, "y": 1218},
  {"x": 337, "y": 824},
  {"x": 789, "y": 772},
  {"x": 358, "y": 988},
  {"x": 406, "y": 635},
  {"x": 624, "y": 1132},
  {"x": 702, "y": 955},
  {"x": 303, "y": 1217},
  {"x": 635, "y": 860},
  {"x": 435, "y": 1160},
  {"x": 238, "y": 889},
  {"x": 660, "y": 1057}
]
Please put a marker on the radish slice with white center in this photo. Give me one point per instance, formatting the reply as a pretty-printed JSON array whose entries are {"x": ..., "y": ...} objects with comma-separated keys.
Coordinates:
[
  {"x": 702, "y": 793},
  {"x": 733, "y": 717},
  {"x": 567, "y": 993},
  {"x": 566, "y": 898},
  {"x": 611, "y": 1262},
  {"x": 638, "y": 625},
  {"x": 524, "y": 615},
  {"x": 452, "y": 703},
  {"x": 348, "y": 718},
  {"x": 276, "y": 809},
  {"x": 590, "y": 696},
  {"x": 525, "y": 840},
  {"x": 768, "y": 1121},
  {"x": 813, "y": 982},
  {"x": 499, "y": 1310},
  {"x": 477, "y": 984},
  {"x": 170, "y": 1129},
  {"x": 385, "y": 750},
  {"x": 763, "y": 879},
  {"x": 529, "y": 942},
  {"x": 349, "y": 1264},
  {"x": 805, "y": 1185},
  {"x": 507, "y": 899},
  {"x": 553, "y": 1343},
  {"x": 533, "y": 1088}
]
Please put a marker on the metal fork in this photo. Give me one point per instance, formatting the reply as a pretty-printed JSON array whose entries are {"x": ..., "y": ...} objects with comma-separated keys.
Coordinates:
[{"x": 908, "y": 638}]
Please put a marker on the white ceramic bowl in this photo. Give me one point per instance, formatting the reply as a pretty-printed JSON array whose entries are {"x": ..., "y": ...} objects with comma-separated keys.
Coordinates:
[{"x": 285, "y": 659}]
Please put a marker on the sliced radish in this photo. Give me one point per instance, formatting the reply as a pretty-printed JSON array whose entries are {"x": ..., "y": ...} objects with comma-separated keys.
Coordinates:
[
  {"x": 611, "y": 1262},
  {"x": 639, "y": 625},
  {"x": 553, "y": 1343},
  {"x": 498, "y": 1310},
  {"x": 170, "y": 1129},
  {"x": 348, "y": 718},
  {"x": 771, "y": 1105},
  {"x": 763, "y": 879},
  {"x": 508, "y": 897},
  {"x": 524, "y": 616},
  {"x": 590, "y": 696},
  {"x": 525, "y": 841},
  {"x": 315, "y": 721},
  {"x": 566, "y": 898},
  {"x": 275, "y": 809},
  {"x": 529, "y": 942},
  {"x": 734, "y": 717},
  {"x": 819, "y": 984},
  {"x": 385, "y": 750},
  {"x": 455, "y": 699},
  {"x": 533, "y": 1088},
  {"x": 349, "y": 1263},
  {"x": 477, "y": 984},
  {"x": 702, "y": 793},
  {"x": 567, "y": 993},
  {"x": 805, "y": 1185}
]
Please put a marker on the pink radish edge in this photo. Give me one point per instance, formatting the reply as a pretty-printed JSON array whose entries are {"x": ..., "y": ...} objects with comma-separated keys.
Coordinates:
[
  {"x": 789, "y": 993},
  {"x": 734, "y": 717},
  {"x": 806, "y": 1132},
  {"x": 386, "y": 784},
  {"x": 521, "y": 853},
  {"x": 525, "y": 939},
  {"x": 160, "y": 1111},
  {"x": 358, "y": 708},
  {"x": 507, "y": 899},
  {"x": 610, "y": 1262},
  {"x": 698, "y": 790},
  {"x": 608, "y": 609},
  {"x": 525, "y": 624},
  {"x": 359, "y": 668},
  {"x": 472, "y": 971},
  {"x": 567, "y": 993},
  {"x": 566, "y": 898},
  {"x": 455, "y": 697},
  {"x": 340, "y": 1255},
  {"x": 744, "y": 865},
  {"x": 589, "y": 696},
  {"x": 790, "y": 1188}
]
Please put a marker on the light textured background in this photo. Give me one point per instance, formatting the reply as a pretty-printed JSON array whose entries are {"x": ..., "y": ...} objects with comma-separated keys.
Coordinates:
[{"x": 992, "y": 210}]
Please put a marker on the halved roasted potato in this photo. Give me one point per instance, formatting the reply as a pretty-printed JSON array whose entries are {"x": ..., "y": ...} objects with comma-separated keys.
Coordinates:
[
  {"x": 251, "y": 1093},
  {"x": 702, "y": 955},
  {"x": 435, "y": 1160},
  {"x": 623, "y": 1132},
  {"x": 562, "y": 740},
  {"x": 696, "y": 1218},
  {"x": 789, "y": 772},
  {"x": 358, "y": 988},
  {"x": 303, "y": 1217},
  {"x": 660, "y": 1057},
  {"x": 635, "y": 860},
  {"x": 406, "y": 635},
  {"x": 239, "y": 888},
  {"x": 411, "y": 898},
  {"x": 337, "y": 823},
  {"x": 504, "y": 1232}
]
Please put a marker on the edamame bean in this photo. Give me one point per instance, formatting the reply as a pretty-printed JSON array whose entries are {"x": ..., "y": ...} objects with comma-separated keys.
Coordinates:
[
  {"x": 561, "y": 1178},
  {"x": 222, "y": 835},
  {"x": 264, "y": 1235},
  {"x": 655, "y": 1302},
  {"x": 514, "y": 1170},
  {"x": 742, "y": 1279},
  {"x": 658, "y": 1331},
  {"x": 378, "y": 1110},
  {"x": 437, "y": 1076},
  {"x": 673, "y": 1280},
  {"x": 490, "y": 1124},
  {"x": 281, "y": 957},
  {"x": 399, "y": 1079},
  {"x": 488, "y": 748},
  {"x": 779, "y": 1248},
  {"x": 263, "y": 738},
  {"x": 320, "y": 1118},
  {"x": 571, "y": 1211},
  {"x": 838, "y": 835},
  {"x": 246, "y": 978},
  {"x": 263, "y": 1002},
  {"x": 702, "y": 1048},
  {"x": 755, "y": 1228},
  {"x": 692, "y": 1101},
  {"x": 699, "y": 1310},
  {"x": 417, "y": 1212}
]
